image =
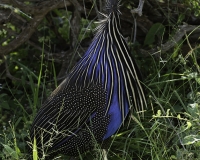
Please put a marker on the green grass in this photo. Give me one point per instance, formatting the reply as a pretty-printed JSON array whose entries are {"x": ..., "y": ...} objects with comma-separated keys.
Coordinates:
[{"x": 169, "y": 130}]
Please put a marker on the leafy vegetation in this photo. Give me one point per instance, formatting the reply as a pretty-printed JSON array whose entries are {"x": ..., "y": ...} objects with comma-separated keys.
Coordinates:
[{"x": 166, "y": 49}]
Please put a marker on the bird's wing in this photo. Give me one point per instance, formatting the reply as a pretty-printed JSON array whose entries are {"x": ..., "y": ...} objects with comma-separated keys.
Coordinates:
[{"x": 66, "y": 112}]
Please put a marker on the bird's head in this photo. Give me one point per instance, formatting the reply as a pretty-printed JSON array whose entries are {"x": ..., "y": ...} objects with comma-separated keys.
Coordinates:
[{"x": 112, "y": 6}]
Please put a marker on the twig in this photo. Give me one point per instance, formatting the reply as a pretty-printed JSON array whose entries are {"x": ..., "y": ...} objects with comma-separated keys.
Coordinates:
[
  {"x": 39, "y": 14},
  {"x": 173, "y": 40},
  {"x": 139, "y": 9}
]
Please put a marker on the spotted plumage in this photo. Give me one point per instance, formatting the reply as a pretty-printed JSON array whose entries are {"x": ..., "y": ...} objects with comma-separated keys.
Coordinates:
[{"x": 92, "y": 102}]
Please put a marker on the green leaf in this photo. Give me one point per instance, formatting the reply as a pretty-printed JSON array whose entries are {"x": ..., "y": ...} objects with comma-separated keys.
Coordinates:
[
  {"x": 198, "y": 80},
  {"x": 3, "y": 95},
  {"x": 193, "y": 109},
  {"x": 5, "y": 105},
  {"x": 157, "y": 29},
  {"x": 191, "y": 139},
  {"x": 11, "y": 152}
]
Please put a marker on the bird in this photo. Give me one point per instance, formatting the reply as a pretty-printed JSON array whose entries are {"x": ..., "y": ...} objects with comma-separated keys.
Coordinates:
[{"x": 94, "y": 99}]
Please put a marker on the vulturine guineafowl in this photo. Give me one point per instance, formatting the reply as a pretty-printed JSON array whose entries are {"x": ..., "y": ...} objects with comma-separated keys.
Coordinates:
[{"x": 93, "y": 101}]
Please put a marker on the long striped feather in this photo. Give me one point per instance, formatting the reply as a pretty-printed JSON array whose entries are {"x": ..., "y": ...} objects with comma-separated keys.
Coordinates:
[
  {"x": 109, "y": 76},
  {"x": 109, "y": 61}
]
